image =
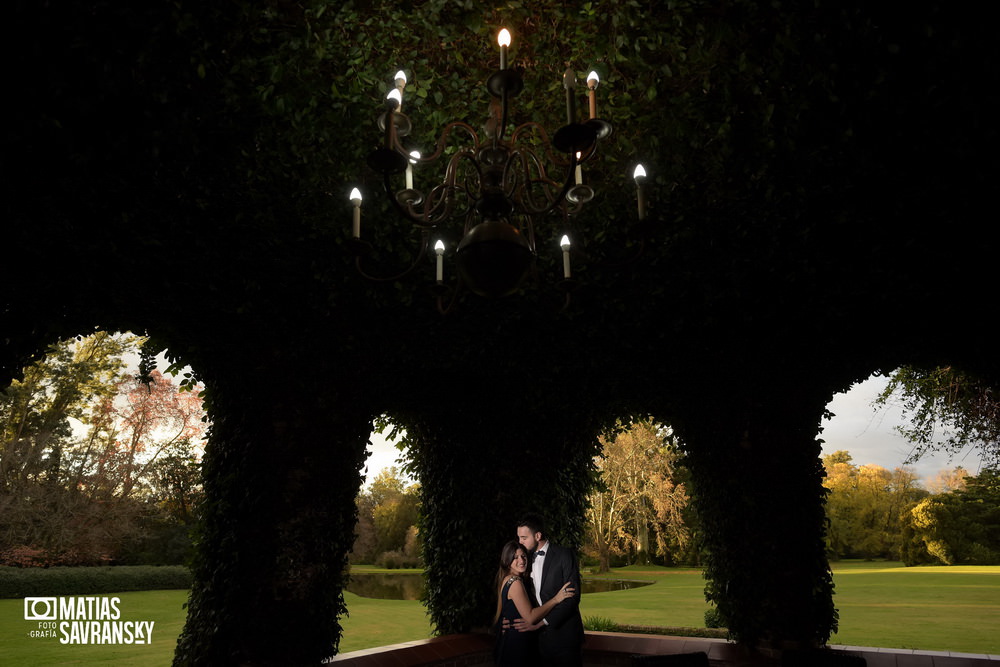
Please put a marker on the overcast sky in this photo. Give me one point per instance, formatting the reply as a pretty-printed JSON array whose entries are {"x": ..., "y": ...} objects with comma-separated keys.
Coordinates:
[{"x": 868, "y": 434}]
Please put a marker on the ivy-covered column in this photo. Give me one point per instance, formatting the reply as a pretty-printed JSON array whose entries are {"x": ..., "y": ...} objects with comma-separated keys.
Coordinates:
[
  {"x": 758, "y": 487},
  {"x": 281, "y": 473},
  {"x": 480, "y": 470}
]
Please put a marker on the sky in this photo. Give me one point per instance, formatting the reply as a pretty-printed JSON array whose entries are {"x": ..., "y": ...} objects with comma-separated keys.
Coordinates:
[
  {"x": 858, "y": 427},
  {"x": 382, "y": 454},
  {"x": 870, "y": 437}
]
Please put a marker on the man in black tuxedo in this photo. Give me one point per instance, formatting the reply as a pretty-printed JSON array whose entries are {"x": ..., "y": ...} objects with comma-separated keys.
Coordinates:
[{"x": 561, "y": 640}]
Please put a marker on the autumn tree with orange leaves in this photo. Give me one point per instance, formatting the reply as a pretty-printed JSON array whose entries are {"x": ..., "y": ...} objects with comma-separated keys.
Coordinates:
[{"x": 96, "y": 465}]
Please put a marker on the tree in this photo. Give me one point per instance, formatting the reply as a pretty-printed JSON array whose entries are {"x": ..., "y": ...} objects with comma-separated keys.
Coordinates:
[
  {"x": 963, "y": 526},
  {"x": 948, "y": 409},
  {"x": 129, "y": 463},
  {"x": 639, "y": 493},
  {"x": 36, "y": 433},
  {"x": 388, "y": 514},
  {"x": 866, "y": 507},
  {"x": 129, "y": 432},
  {"x": 36, "y": 413},
  {"x": 365, "y": 542},
  {"x": 170, "y": 507},
  {"x": 946, "y": 481}
]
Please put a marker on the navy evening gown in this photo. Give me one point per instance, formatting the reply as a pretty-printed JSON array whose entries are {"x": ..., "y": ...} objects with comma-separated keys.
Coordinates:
[{"x": 514, "y": 648}]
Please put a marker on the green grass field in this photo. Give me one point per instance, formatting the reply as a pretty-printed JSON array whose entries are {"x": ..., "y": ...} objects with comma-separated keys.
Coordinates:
[{"x": 881, "y": 604}]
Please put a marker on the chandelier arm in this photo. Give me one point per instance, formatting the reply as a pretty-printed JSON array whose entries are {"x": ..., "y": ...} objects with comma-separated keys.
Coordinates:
[
  {"x": 439, "y": 204},
  {"x": 543, "y": 179},
  {"x": 530, "y": 225},
  {"x": 503, "y": 117},
  {"x": 451, "y": 175},
  {"x": 443, "y": 139},
  {"x": 444, "y": 310},
  {"x": 424, "y": 239},
  {"x": 425, "y": 221},
  {"x": 527, "y": 127},
  {"x": 560, "y": 198},
  {"x": 527, "y": 159},
  {"x": 405, "y": 211},
  {"x": 565, "y": 305},
  {"x": 555, "y": 156}
]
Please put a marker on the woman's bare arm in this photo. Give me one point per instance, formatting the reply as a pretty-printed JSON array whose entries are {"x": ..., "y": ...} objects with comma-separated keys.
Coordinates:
[{"x": 532, "y": 615}]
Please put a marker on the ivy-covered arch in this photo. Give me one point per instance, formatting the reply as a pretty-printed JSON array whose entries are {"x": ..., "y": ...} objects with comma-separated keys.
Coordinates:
[{"x": 817, "y": 176}]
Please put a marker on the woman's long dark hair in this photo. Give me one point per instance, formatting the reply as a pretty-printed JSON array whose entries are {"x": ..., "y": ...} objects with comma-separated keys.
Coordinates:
[{"x": 507, "y": 555}]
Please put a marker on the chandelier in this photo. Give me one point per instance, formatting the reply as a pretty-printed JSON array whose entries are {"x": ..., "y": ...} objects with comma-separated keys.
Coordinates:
[{"x": 504, "y": 189}]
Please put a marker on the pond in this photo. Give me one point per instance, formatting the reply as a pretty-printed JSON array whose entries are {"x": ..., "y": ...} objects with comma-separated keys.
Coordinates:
[{"x": 411, "y": 586}]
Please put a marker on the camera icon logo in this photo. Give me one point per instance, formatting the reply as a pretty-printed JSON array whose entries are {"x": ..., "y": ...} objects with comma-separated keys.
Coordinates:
[{"x": 40, "y": 609}]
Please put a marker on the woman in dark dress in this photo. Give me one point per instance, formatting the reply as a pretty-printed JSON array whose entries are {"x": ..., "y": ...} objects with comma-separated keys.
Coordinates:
[{"x": 519, "y": 647}]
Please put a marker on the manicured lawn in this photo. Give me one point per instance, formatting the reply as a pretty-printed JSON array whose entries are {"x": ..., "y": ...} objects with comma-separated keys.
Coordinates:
[
  {"x": 934, "y": 608},
  {"x": 677, "y": 599},
  {"x": 381, "y": 622},
  {"x": 881, "y": 604}
]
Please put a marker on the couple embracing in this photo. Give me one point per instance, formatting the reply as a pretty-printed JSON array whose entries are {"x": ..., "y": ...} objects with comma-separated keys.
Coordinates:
[{"x": 538, "y": 604}]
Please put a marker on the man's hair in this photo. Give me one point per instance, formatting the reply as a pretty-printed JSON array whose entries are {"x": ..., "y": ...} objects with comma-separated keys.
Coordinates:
[{"x": 534, "y": 523}]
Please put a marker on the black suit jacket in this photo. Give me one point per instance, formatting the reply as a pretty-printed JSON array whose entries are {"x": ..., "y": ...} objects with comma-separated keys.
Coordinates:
[{"x": 564, "y": 631}]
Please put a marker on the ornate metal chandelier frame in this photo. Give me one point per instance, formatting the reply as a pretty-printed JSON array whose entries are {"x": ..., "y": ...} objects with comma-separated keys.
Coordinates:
[{"x": 499, "y": 186}]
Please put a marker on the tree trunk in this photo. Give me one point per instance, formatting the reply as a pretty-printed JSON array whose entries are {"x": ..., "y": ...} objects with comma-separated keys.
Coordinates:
[{"x": 604, "y": 558}]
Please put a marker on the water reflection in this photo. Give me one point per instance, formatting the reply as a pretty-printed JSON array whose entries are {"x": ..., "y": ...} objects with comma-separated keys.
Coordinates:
[
  {"x": 387, "y": 586},
  {"x": 607, "y": 585},
  {"x": 411, "y": 586}
]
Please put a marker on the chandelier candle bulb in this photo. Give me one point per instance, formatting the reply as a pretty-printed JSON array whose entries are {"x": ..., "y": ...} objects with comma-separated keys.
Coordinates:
[
  {"x": 579, "y": 170},
  {"x": 392, "y": 102},
  {"x": 414, "y": 156},
  {"x": 592, "y": 81},
  {"x": 569, "y": 83},
  {"x": 356, "y": 200},
  {"x": 564, "y": 244},
  {"x": 640, "y": 177},
  {"x": 439, "y": 251},
  {"x": 503, "y": 39},
  {"x": 400, "y": 85}
]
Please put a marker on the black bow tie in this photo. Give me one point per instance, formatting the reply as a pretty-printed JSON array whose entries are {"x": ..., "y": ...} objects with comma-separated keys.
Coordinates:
[{"x": 539, "y": 553}]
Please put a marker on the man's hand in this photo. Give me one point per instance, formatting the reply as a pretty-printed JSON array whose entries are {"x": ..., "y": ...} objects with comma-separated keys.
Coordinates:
[{"x": 522, "y": 625}]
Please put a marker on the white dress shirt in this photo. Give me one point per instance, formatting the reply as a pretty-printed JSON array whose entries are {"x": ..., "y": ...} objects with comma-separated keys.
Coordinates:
[{"x": 536, "y": 572}]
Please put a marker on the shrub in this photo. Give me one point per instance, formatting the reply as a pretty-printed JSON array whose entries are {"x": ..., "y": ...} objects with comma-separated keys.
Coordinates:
[
  {"x": 18, "y": 582},
  {"x": 600, "y": 624},
  {"x": 982, "y": 555},
  {"x": 714, "y": 633},
  {"x": 714, "y": 619},
  {"x": 24, "y": 556},
  {"x": 394, "y": 560},
  {"x": 27, "y": 556}
]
